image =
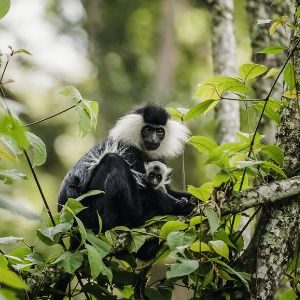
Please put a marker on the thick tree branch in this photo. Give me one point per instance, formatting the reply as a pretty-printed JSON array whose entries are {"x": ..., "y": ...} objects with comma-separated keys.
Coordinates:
[{"x": 263, "y": 194}]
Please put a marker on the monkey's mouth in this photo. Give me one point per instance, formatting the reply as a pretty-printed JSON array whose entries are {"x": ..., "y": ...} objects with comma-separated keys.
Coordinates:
[{"x": 151, "y": 146}]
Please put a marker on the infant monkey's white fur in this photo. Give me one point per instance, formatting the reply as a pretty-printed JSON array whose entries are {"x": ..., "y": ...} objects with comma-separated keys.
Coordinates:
[{"x": 158, "y": 174}]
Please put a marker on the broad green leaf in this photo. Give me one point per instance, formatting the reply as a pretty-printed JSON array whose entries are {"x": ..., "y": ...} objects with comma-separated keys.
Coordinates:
[
  {"x": 5, "y": 155},
  {"x": 37, "y": 149},
  {"x": 274, "y": 152},
  {"x": 3, "y": 262},
  {"x": 94, "y": 260},
  {"x": 10, "y": 240},
  {"x": 178, "y": 238},
  {"x": 50, "y": 235},
  {"x": 269, "y": 112},
  {"x": 275, "y": 168},
  {"x": 220, "y": 178},
  {"x": 81, "y": 229},
  {"x": 4, "y": 7},
  {"x": 171, "y": 226},
  {"x": 273, "y": 49},
  {"x": 72, "y": 261},
  {"x": 11, "y": 144},
  {"x": 203, "y": 192},
  {"x": 247, "y": 163},
  {"x": 137, "y": 240},
  {"x": 71, "y": 91},
  {"x": 8, "y": 176},
  {"x": 273, "y": 72},
  {"x": 11, "y": 279},
  {"x": 22, "y": 51},
  {"x": 175, "y": 113},
  {"x": 97, "y": 266},
  {"x": 214, "y": 88},
  {"x": 200, "y": 109},
  {"x": 288, "y": 295},
  {"x": 200, "y": 247},
  {"x": 203, "y": 143},
  {"x": 160, "y": 293},
  {"x": 222, "y": 274},
  {"x": 185, "y": 267},
  {"x": 278, "y": 22},
  {"x": 224, "y": 236},
  {"x": 289, "y": 76},
  {"x": 220, "y": 248},
  {"x": 87, "y": 116},
  {"x": 228, "y": 269},
  {"x": 249, "y": 71},
  {"x": 209, "y": 277},
  {"x": 213, "y": 219},
  {"x": 101, "y": 246},
  {"x": 89, "y": 194},
  {"x": 196, "y": 220},
  {"x": 13, "y": 128}
]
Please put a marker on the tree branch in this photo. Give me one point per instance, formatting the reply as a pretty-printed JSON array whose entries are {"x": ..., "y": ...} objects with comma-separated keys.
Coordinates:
[{"x": 263, "y": 194}]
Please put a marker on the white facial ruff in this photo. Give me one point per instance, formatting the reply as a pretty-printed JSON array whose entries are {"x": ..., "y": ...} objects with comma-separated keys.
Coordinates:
[{"x": 128, "y": 129}]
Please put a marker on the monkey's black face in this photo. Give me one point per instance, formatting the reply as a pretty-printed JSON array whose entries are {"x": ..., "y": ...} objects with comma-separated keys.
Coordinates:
[
  {"x": 154, "y": 178},
  {"x": 152, "y": 136}
]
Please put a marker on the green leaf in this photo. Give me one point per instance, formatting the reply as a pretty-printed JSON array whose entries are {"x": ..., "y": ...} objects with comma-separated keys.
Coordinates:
[
  {"x": 171, "y": 226},
  {"x": 249, "y": 71},
  {"x": 220, "y": 248},
  {"x": 177, "y": 239},
  {"x": 3, "y": 262},
  {"x": 185, "y": 267},
  {"x": 278, "y": 22},
  {"x": 4, "y": 7},
  {"x": 271, "y": 166},
  {"x": 203, "y": 192},
  {"x": 223, "y": 236},
  {"x": 220, "y": 178},
  {"x": 203, "y": 143},
  {"x": 22, "y": 51},
  {"x": 175, "y": 113},
  {"x": 228, "y": 269},
  {"x": 101, "y": 246},
  {"x": 288, "y": 295},
  {"x": 199, "y": 109},
  {"x": 97, "y": 266},
  {"x": 81, "y": 229},
  {"x": 200, "y": 247},
  {"x": 89, "y": 194},
  {"x": 274, "y": 152},
  {"x": 273, "y": 49},
  {"x": 213, "y": 219},
  {"x": 50, "y": 235},
  {"x": 213, "y": 88},
  {"x": 87, "y": 116},
  {"x": 11, "y": 279},
  {"x": 8, "y": 176},
  {"x": 37, "y": 149},
  {"x": 10, "y": 240},
  {"x": 269, "y": 112},
  {"x": 289, "y": 76},
  {"x": 247, "y": 163},
  {"x": 71, "y": 91},
  {"x": 160, "y": 293},
  {"x": 196, "y": 220},
  {"x": 72, "y": 261},
  {"x": 273, "y": 72},
  {"x": 14, "y": 129}
]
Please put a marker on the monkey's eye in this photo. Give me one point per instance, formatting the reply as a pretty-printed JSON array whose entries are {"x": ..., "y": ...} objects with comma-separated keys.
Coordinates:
[
  {"x": 151, "y": 175},
  {"x": 159, "y": 177},
  {"x": 160, "y": 131}
]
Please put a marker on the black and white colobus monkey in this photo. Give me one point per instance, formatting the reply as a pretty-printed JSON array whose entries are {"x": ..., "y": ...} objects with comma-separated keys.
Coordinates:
[{"x": 116, "y": 166}]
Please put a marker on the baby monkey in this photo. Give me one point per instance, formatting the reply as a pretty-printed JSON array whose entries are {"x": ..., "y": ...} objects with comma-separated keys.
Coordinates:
[{"x": 158, "y": 175}]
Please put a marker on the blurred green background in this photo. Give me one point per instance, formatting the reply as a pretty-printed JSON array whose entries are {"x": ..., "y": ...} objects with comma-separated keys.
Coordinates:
[{"x": 119, "y": 53}]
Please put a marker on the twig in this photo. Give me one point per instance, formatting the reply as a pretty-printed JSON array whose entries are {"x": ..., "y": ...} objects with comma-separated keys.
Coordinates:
[
  {"x": 52, "y": 116},
  {"x": 244, "y": 100}
]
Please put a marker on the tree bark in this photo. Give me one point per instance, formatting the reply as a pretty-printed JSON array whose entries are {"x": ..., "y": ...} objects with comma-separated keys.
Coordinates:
[
  {"x": 274, "y": 241},
  {"x": 164, "y": 77},
  {"x": 224, "y": 60},
  {"x": 260, "y": 39}
]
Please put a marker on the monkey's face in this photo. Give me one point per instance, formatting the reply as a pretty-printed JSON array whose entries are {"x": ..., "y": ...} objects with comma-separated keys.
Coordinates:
[
  {"x": 152, "y": 136},
  {"x": 154, "y": 178}
]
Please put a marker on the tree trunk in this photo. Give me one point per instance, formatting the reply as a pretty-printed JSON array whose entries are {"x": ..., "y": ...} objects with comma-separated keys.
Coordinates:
[
  {"x": 224, "y": 60},
  {"x": 274, "y": 241},
  {"x": 164, "y": 77},
  {"x": 260, "y": 39}
]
